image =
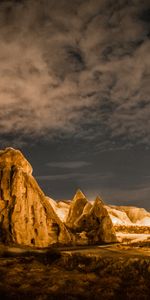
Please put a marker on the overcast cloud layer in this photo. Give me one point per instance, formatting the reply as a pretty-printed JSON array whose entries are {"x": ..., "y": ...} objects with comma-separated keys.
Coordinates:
[{"x": 75, "y": 67}]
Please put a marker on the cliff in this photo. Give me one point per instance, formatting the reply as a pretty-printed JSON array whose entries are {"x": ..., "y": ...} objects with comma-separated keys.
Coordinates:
[{"x": 26, "y": 216}]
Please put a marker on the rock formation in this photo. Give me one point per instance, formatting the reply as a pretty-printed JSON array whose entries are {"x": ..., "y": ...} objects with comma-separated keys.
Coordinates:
[
  {"x": 129, "y": 215},
  {"x": 26, "y": 216},
  {"x": 61, "y": 208},
  {"x": 135, "y": 214},
  {"x": 118, "y": 216},
  {"x": 76, "y": 208},
  {"x": 90, "y": 223},
  {"x": 105, "y": 231}
]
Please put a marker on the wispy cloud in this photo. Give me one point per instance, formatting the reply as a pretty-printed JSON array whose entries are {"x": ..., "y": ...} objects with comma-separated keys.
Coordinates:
[
  {"x": 69, "y": 164},
  {"x": 77, "y": 67},
  {"x": 80, "y": 176},
  {"x": 57, "y": 177}
]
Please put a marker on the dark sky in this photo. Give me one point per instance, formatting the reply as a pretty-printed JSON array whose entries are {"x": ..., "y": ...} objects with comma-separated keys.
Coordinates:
[{"x": 75, "y": 95}]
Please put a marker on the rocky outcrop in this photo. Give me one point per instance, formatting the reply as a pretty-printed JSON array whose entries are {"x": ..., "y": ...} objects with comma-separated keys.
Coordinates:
[
  {"x": 92, "y": 223},
  {"x": 26, "y": 216},
  {"x": 135, "y": 214},
  {"x": 76, "y": 208},
  {"x": 130, "y": 223},
  {"x": 118, "y": 217},
  {"x": 30, "y": 218},
  {"x": 61, "y": 208},
  {"x": 106, "y": 231},
  {"x": 129, "y": 215}
]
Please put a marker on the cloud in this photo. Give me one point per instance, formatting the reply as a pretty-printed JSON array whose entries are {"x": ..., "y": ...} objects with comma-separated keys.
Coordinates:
[
  {"x": 57, "y": 177},
  {"x": 76, "y": 68},
  {"x": 135, "y": 197},
  {"x": 80, "y": 176},
  {"x": 116, "y": 195},
  {"x": 69, "y": 164}
]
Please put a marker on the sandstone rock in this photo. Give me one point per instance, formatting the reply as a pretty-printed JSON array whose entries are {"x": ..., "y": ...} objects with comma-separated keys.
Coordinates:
[
  {"x": 26, "y": 216},
  {"x": 30, "y": 218},
  {"x": 61, "y": 208},
  {"x": 76, "y": 208},
  {"x": 87, "y": 208},
  {"x": 135, "y": 214},
  {"x": 106, "y": 231},
  {"x": 11, "y": 157},
  {"x": 118, "y": 217},
  {"x": 97, "y": 224}
]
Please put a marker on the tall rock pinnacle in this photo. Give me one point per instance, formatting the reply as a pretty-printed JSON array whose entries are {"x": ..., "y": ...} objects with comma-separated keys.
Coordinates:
[
  {"x": 92, "y": 222},
  {"x": 76, "y": 208},
  {"x": 26, "y": 216}
]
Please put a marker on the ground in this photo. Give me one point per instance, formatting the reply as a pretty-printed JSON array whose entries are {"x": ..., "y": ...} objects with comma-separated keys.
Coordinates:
[{"x": 97, "y": 272}]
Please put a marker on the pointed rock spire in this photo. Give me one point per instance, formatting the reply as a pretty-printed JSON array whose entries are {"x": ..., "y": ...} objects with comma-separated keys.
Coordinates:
[
  {"x": 95, "y": 222},
  {"x": 106, "y": 230},
  {"x": 98, "y": 200},
  {"x": 76, "y": 208},
  {"x": 99, "y": 208},
  {"x": 78, "y": 195}
]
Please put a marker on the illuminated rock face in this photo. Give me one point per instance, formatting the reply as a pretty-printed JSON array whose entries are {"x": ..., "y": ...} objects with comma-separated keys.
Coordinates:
[
  {"x": 76, "y": 208},
  {"x": 90, "y": 223},
  {"x": 61, "y": 208},
  {"x": 136, "y": 215},
  {"x": 129, "y": 215},
  {"x": 26, "y": 216}
]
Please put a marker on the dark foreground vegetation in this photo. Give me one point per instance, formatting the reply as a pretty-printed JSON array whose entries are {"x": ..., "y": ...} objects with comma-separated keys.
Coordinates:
[{"x": 114, "y": 272}]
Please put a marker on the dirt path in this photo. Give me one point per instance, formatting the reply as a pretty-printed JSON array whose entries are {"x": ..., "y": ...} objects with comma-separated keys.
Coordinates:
[
  {"x": 98, "y": 250},
  {"x": 104, "y": 250}
]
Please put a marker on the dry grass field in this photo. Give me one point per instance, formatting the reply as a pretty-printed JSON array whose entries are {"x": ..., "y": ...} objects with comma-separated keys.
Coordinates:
[{"x": 100, "y": 272}]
